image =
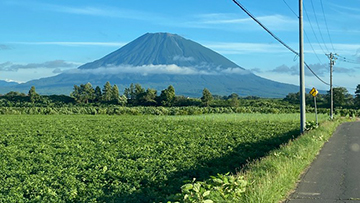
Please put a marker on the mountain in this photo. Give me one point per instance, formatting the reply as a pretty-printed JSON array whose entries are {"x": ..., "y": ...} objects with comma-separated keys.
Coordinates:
[
  {"x": 163, "y": 49},
  {"x": 4, "y": 83},
  {"x": 157, "y": 60}
]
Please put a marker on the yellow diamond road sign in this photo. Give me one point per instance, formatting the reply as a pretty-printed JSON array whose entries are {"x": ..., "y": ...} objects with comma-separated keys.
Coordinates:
[{"x": 314, "y": 92}]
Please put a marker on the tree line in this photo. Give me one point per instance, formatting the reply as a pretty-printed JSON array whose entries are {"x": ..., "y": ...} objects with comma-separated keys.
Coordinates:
[
  {"x": 341, "y": 97},
  {"x": 136, "y": 95},
  {"x": 86, "y": 94}
]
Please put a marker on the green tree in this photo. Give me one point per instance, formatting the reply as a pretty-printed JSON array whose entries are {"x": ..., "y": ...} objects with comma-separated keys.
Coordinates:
[
  {"x": 341, "y": 97},
  {"x": 84, "y": 93},
  {"x": 167, "y": 96},
  {"x": 293, "y": 98},
  {"x": 87, "y": 93},
  {"x": 14, "y": 94},
  {"x": 206, "y": 97},
  {"x": 357, "y": 96},
  {"x": 129, "y": 93},
  {"x": 122, "y": 100},
  {"x": 138, "y": 94},
  {"x": 33, "y": 95},
  {"x": 107, "y": 92},
  {"x": 76, "y": 94},
  {"x": 98, "y": 94},
  {"x": 115, "y": 93},
  {"x": 149, "y": 98}
]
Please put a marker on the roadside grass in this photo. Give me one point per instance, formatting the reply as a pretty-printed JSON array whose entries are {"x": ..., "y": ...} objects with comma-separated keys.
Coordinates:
[
  {"x": 268, "y": 179},
  {"x": 272, "y": 178}
]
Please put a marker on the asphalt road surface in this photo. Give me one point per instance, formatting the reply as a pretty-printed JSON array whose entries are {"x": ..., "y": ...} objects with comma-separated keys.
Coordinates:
[{"x": 334, "y": 176}]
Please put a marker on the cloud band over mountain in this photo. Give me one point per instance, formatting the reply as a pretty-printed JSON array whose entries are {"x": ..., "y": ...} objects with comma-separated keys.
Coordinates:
[
  {"x": 159, "y": 69},
  {"x": 56, "y": 64}
]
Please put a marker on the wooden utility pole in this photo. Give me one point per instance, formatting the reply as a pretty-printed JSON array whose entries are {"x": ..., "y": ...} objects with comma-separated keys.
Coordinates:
[
  {"x": 302, "y": 72},
  {"x": 332, "y": 63}
]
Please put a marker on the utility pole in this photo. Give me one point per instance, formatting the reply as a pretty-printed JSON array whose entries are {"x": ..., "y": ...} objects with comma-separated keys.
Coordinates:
[
  {"x": 332, "y": 63},
  {"x": 302, "y": 72}
]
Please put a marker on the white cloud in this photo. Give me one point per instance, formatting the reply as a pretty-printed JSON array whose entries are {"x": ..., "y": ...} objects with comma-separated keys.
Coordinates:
[
  {"x": 279, "y": 22},
  {"x": 183, "y": 58},
  {"x": 106, "y": 44},
  {"x": 347, "y": 49},
  {"x": 233, "y": 21},
  {"x": 159, "y": 69},
  {"x": 319, "y": 69},
  {"x": 220, "y": 18},
  {"x": 104, "y": 11},
  {"x": 9, "y": 66}
]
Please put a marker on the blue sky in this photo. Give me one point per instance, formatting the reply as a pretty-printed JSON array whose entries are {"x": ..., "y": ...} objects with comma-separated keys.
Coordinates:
[{"x": 43, "y": 38}]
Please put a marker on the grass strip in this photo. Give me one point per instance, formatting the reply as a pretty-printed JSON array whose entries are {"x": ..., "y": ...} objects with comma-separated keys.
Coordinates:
[
  {"x": 268, "y": 179},
  {"x": 272, "y": 178}
]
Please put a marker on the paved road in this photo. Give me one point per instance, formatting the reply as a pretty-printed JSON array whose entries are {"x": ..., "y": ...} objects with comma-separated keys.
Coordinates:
[{"x": 334, "y": 176}]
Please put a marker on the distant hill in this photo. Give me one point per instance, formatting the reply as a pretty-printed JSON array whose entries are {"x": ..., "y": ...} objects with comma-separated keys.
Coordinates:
[
  {"x": 4, "y": 83},
  {"x": 157, "y": 60}
]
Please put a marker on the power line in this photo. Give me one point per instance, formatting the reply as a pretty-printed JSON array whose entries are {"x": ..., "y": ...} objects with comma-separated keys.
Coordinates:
[
  {"x": 344, "y": 59},
  {"x": 291, "y": 9},
  {"x": 317, "y": 22},
  {"x": 275, "y": 37},
  {"x": 316, "y": 74},
  {"x": 327, "y": 28},
  {"x": 312, "y": 28},
  {"x": 307, "y": 37},
  {"x": 265, "y": 28}
]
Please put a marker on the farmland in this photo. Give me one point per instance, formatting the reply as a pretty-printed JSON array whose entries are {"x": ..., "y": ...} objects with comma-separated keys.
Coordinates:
[{"x": 102, "y": 158}]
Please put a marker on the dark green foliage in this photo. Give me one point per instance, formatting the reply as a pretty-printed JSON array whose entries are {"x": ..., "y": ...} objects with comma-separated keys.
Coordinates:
[
  {"x": 130, "y": 92},
  {"x": 14, "y": 94},
  {"x": 115, "y": 93},
  {"x": 206, "y": 97},
  {"x": 107, "y": 92},
  {"x": 83, "y": 93},
  {"x": 149, "y": 98},
  {"x": 136, "y": 95},
  {"x": 33, "y": 96},
  {"x": 167, "y": 96},
  {"x": 357, "y": 96},
  {"x": 341, "y": 97},
  {"x": 127, "y": 158},
  {"x": 98, "y": 94},
  {"x": 234, "y": 101}
]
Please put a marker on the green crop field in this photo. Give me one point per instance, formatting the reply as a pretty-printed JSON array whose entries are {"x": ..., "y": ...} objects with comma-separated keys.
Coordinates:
[{"x": 85, "y": 158}]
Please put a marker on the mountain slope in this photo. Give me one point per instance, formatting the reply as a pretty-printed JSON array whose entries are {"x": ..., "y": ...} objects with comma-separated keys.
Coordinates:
[
  {"x": 4, "y": 83},
  {"x": 163, "y": 49},
  {"x": 161, "y": 59}
]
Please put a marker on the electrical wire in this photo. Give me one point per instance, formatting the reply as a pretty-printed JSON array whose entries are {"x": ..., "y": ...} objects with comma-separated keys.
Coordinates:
[
  {"x": 307, "y": 37},
  {"x": 317, "y": 23},
  {"x": 316, "y": 74},
  {"x": 326, "y": 25},
  {"x": 291, "y": 9},
  {"x": 275, "y": 37},
  {"x": 312, "y": 28},
  {"x": 344, "y": 59}
]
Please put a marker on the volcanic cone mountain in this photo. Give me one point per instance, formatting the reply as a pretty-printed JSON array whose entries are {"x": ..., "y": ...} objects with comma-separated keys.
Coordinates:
[{"x": 157, "y": 60}]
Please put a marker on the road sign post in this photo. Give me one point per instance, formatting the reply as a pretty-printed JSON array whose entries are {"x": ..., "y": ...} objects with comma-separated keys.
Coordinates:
[{"x": 314, "y": 92}]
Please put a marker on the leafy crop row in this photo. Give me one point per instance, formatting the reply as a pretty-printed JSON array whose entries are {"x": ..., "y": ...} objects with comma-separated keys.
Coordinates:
[
  {"x": 119, "y": 110},
  {"x": 82, "y": 158}
]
